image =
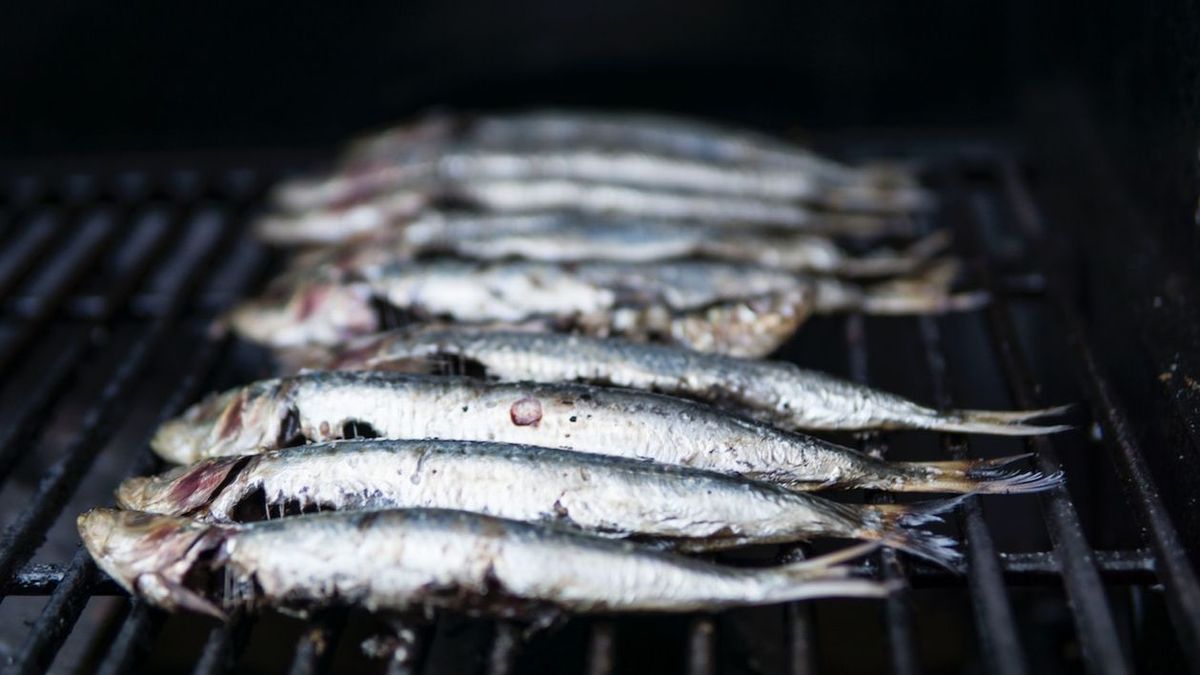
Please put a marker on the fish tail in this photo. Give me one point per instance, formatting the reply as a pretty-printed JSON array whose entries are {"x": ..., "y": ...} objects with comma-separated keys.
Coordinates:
[
  {"x": 984, "y": 476},
  {"x": 1003, "y": 423},
  {"x": 893, "y": 525},
  {"x": 925, "y": 293},
  {"x": 824, "y": 576}
]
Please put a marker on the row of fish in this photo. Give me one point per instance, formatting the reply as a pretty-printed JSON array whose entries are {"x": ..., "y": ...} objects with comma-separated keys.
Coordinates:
[{"x": 574, "y": 379}]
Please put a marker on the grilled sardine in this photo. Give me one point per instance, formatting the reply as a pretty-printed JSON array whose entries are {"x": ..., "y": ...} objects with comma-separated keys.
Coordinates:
[
  {"x": 401, "y": 560},
  {"x": 570, "y": 237},
  {"x": 324, "y": 406},
  {"x": 690, "y": 508},
  {"x": 389, "y": 210},
  {"x": 772, "y": 391},
  {"x": 708, "y": 306}
]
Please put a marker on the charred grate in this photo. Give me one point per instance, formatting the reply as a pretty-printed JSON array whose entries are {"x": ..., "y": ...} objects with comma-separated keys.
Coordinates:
[{"x": 108, "y": 281}]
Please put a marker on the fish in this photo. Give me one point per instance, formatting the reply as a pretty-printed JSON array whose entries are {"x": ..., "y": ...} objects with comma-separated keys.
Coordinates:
[
  {"x": 375, "y": 213},
  {"x": 690, "y": 509},
  {"x": 324, "y": 406},
  {"x": 708, "y": 306},
  {"x": 674, "y": 136},
  {"x": 776, "y": 392},
  {"x": 455, "y": 165},
  {"x": 564, "y": 236},
  {"x": 410, "y": 559}
]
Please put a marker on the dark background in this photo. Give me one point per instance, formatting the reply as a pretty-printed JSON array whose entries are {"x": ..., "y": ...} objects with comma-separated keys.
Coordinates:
[{"x": 85, "y": 77}]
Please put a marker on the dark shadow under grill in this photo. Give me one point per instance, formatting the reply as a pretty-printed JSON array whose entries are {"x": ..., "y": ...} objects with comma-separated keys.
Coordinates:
[{"x": 110, "y": 280}]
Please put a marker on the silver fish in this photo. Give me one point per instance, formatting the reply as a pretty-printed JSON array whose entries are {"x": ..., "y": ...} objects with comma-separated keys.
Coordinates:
[
  {"x": 408, "y": 559},
  {"x": 571, "y": 237},
  {"x": 777, "y": 392},
  {"x": 690, "y": 508},
  {"x": 632, "y": 167},
  {"x": 323, "y": 406},
  {"x": 344, "y": 220},
  {"x": 672, "y": 136},
  {"x": 708, "y": 306}
]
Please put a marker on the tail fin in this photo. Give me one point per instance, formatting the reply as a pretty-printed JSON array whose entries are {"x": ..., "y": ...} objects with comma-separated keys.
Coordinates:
[
  {"x": 891, "y": 525},
  {"x": 887, "y": 262},
  {"x": 984, "y": 476},
  {"x": 926, "y": 293},
  {"x": 822, "y": 577},
  {"x": 1003, "y": 423}
]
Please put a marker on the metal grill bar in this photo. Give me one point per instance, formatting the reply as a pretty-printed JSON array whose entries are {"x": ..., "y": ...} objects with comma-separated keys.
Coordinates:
[
  {"x": 76, "y": 270},
  {"x": 1097, "y": 630},
  {"x": 897, "y": 610},
  {"x": 601, "y": 647},
  {"x": 21, "y": 431},
  {"x": 996, "y": 627},
  {"x": 63, "y": 478},
  {"x": 314, "y": 650},
  {"x": 1182, "y": 590},
  {"x": 134, "y": 639}
]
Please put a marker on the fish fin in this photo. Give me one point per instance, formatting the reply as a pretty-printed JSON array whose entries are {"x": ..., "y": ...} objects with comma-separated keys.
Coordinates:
[
  {"x": 172, "y": 595},
  {"x": 828, "y": 564},
  {"x": 999, "y": 422},
  {"x": 894, "y": 526},
  {"x": 887, "y": 262},
  {"x": 983, "y": 476},
  {"x": 925, "y": 293}
]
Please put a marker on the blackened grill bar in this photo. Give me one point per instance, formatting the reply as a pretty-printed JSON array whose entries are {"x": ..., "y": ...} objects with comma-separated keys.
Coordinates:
[{"x": 991, "y": 579}]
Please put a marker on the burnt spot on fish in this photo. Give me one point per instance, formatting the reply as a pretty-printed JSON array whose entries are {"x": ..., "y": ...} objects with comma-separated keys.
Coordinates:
[
  {"x": 449, "y": 200},
  {"x": 358, "y": 429},
  {"x": 290, "y": 432},
  {"x": 526, "y": 412}
]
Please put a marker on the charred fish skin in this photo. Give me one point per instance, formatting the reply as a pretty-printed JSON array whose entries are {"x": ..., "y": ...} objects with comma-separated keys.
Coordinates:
[
  {"x": 403, "y": 559},
  {"x": 777, "y": 392},
  {"x": 698, "y": 510},
  {"x": 323, "y": 406}
]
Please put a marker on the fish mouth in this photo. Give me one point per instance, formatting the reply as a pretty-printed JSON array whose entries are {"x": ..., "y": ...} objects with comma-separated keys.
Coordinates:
[{"x": 154, "y": 556}]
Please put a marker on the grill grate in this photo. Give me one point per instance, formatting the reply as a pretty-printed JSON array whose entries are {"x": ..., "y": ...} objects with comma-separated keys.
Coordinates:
[{"x": 124, "y": 313}]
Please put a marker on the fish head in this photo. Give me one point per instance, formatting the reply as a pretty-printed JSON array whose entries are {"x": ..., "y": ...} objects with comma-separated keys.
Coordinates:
[
  {"x": 322, "y": 312},
  {"x": 153, "y": 556},
  {"x": 235, "y": 422},
  {"x": 180, "y": 491}
]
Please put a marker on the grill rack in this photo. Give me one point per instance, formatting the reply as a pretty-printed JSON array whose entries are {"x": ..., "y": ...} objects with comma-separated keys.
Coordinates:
[{"x": 971, "y": 186}]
